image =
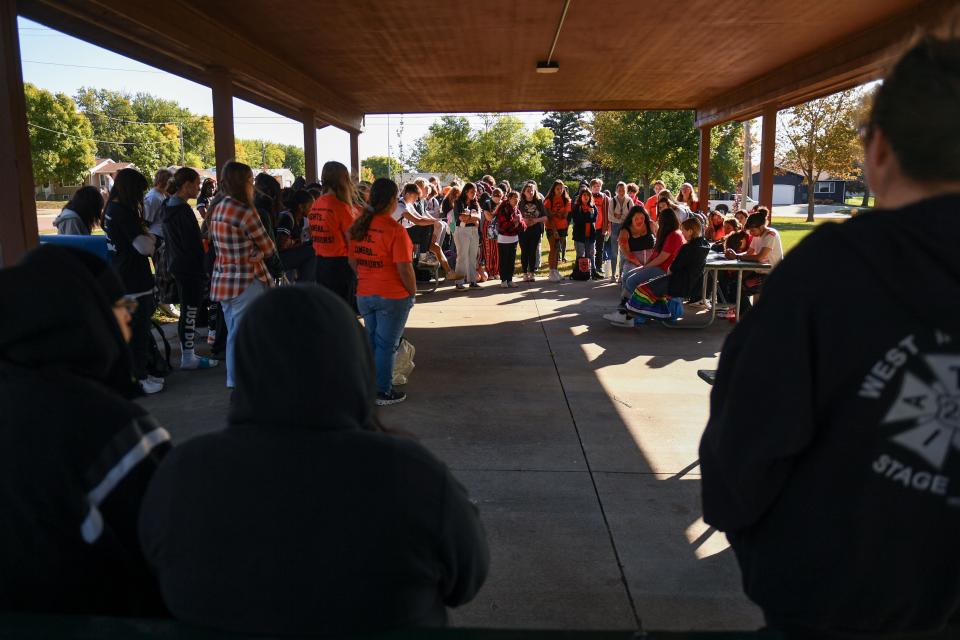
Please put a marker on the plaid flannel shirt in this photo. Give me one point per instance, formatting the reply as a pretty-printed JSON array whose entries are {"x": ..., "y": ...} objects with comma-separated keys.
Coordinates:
[{"x": 241, "y": 244}]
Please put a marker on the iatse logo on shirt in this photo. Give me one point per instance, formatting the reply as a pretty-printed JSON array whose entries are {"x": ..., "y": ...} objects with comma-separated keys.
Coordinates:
[{"x": 925, "y": 412}]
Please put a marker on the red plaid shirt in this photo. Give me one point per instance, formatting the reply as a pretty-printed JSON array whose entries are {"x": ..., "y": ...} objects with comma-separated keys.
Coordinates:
[{"x": 242, "y": 244}]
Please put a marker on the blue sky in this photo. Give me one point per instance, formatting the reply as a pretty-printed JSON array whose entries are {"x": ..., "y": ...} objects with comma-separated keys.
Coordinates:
[{"x": 60, "y": 63}]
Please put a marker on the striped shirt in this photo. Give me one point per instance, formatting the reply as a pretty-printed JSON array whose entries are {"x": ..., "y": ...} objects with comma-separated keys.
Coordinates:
[{"x": 242, "y": 244}]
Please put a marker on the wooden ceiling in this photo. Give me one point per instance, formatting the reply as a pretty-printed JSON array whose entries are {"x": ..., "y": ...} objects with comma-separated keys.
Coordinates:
[{"x": 346, "y": 58}]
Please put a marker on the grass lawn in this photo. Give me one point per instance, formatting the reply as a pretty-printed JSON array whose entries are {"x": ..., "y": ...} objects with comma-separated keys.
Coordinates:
[{"x": 857, "y": 202}]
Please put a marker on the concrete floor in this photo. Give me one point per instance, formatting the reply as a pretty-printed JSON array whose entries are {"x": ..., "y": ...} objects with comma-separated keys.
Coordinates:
[{"x": 578, "y": 441}]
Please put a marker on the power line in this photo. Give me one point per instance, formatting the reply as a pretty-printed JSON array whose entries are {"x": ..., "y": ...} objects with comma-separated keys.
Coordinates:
[
  {"x": 84, "y": 66},
  {"x": 68, "y": 135}
]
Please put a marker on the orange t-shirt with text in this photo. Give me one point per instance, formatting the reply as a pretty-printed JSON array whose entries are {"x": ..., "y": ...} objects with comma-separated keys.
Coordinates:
[
  {"x": 329, "y": 221},
  {"x": 377, "y": 255},
  {"x": 558, "y": 213}
]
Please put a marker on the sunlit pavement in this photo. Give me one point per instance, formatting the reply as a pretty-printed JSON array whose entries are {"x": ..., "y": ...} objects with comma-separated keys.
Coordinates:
[{"x": 578, "y": 442}]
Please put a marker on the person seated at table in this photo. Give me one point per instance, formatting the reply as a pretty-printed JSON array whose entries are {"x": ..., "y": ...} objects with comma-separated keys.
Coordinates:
[
  {"x": 741, "y": 217},
  {"x": 714, "y": 231},
  {"x": 303, "y": 517},
  {"x": 730, "y": 227},
  {"x": 293, "y": 238},
  {"x": 422, "y": 229},
  {"x": 739, "y": 242},
  {"x": 649, "y": 296},
  {"x": 637, "y": 237},
  {"x": 765, "y": 245}
]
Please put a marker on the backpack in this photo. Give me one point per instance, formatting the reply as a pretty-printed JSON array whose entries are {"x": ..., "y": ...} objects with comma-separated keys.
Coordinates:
[
  {"x": 582, "y": 269},
  {"x": 158, "y": 365}
]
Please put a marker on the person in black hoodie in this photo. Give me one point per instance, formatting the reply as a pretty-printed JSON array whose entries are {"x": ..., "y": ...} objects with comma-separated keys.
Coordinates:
[
  {"x": 302, "y": 517},
  {"x": 838, "y": 485},
  {"x": 184, "y": 254},
  {"x": 75, "y": 454}
]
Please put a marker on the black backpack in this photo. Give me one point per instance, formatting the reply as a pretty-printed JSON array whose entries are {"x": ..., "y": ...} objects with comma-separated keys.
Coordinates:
[
  {"x": 582, "y": 269},
  {"x": 158, "y": 364}
]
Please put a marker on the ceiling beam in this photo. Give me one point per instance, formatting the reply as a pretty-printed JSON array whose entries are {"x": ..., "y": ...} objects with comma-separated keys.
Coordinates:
[
  {"x": 854, "y": 60},
  {"x": 190, "y": 47}
]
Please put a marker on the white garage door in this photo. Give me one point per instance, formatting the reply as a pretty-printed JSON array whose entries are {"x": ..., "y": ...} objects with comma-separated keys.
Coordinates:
[{"x": 783, "y": 193}]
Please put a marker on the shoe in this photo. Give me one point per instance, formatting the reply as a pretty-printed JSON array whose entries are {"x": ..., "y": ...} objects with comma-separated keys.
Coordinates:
[
  {"x": 199, "y": 362},
  {"x": 460, "y": 287},
  {"x": 616, "y": 316},
  {"x": 596, "y": 275},
  {"x": 149, "y": 387},
  {"x": 504, "y": 285},
  {"x": 531, "y": 278},
  {"x": 427, "y": 259},
  {"x": 474, "y": 285},
  {"x": 387, "y": 399},
  {"x": 630, "y": 323},
  {"x": 156, "y": 380},
  {"x": 554, "y": 275},
  {"x": 513, "y": 285}
]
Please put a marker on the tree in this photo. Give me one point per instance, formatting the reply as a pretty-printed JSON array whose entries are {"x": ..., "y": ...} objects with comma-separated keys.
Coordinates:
[
  {"x": 820, "y": 137},
  {"x": 382, "y": 166},
  {"x": 726, "y": 150},
  {"x": 294, "y": 159},
  {"x": 60, "y": 137},
  {"x": 645, "y": 144},
  {"x": 506, "y": 150},
  {"x": 448, "y": 146},
  {"x": 197, "y": 130},
  {"x": 569, "y": 150}
]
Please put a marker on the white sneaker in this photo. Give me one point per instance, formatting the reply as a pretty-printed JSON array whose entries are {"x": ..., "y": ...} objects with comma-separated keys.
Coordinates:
[
  {"x": 168, "y": 310},
  {"x": 156, "y": 380},
  {"x": 554, "y": 275},
  {"x": 616, "y": 316},
  {"x": 149, "y": 387},
  {"x": 532, "y": 277},
  {"x": 512, "y": 284},
  {"x": 504, "y": 285}
]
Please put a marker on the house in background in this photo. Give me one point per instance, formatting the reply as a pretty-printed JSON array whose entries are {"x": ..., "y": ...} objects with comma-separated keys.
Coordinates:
[
  {"x": 284, "y": 176},
  {"x": 99, "y": 175},
  {"x": 789, "y": 188}
]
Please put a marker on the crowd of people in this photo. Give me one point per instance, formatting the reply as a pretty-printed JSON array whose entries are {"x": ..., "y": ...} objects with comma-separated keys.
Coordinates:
[{"x": 835, "y": 484}]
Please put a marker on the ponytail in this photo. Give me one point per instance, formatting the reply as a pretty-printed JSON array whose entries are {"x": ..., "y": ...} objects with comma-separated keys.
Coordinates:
[{"x": 383, "y": 198}]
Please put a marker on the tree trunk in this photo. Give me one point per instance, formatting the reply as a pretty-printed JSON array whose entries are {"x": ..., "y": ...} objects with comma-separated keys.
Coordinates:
[
  {"x": 811, "y": 194},
  {"x": 866, "y": 195}
]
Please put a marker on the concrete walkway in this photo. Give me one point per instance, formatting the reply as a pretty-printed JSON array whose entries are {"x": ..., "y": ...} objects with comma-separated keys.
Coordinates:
[{"x": 577, "y": 440}]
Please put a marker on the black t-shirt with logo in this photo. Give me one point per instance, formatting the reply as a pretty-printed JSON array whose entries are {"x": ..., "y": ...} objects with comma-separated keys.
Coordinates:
[{"x": 123, "y": 224}]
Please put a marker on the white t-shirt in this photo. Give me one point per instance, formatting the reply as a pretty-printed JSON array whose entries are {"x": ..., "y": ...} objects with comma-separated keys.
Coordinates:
[
  {"x": 151, "y": 205},
  {"x": 402, "y": 208},
  {"x": 769, "y": 239}
]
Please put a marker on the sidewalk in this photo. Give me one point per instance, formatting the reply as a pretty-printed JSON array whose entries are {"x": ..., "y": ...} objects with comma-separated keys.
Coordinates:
[{"x": 577, "y": 440}]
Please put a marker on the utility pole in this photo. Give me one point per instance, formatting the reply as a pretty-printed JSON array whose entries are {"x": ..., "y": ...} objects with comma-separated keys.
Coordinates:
[
  {"x": 183, "y": 153},
  {"x": 747, "y": 189},
  {"x": 389, "y": 151}
]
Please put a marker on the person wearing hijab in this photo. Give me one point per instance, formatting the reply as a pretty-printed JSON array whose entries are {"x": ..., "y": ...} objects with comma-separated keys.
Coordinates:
[
  {"x": 302, "y": 517},
  {"x": 76, "y": 454}
]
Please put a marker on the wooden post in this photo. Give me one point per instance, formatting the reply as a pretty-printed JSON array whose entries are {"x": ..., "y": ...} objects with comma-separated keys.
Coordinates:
[
  {"x": 222, "y": 88},
  {"x": 703, "y": 176},
  {"x": 310, "y": 145},
  {"x": 355, "y": 155},
  {"x": 768, "y": 147},
  {"x": 18, "y": 209}
]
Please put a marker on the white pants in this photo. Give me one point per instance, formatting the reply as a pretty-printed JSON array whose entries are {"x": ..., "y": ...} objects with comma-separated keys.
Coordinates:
[{"x": 467, "y": 241}]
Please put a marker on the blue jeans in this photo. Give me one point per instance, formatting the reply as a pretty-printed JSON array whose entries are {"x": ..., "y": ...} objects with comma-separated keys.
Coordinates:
[
  {"x": 233, "y": 310},
  {"x": 384, "y": 319},
  {"x": 613, "y": 248},
  {"x": 585, "y": 249},
  {"x": 640, "y": 275}
]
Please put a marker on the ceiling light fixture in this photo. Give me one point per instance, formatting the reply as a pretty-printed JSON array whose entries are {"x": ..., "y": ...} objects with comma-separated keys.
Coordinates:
[{"x": 550, "y": 65}]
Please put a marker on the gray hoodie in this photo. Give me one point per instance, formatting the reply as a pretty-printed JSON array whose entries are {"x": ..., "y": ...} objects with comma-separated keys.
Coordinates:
[{"x": 69, "y": 223}]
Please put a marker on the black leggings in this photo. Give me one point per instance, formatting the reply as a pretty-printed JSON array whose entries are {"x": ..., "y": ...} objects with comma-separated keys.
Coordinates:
[
  {"x": 530, "y": 248},
  {"x": 335, "y": 274},
  {"x": 141, "y": 334},
  {"x": 508, "y": 259},
  {"x": 302, "y": 259},
  {"x": 190, "y": 293}
]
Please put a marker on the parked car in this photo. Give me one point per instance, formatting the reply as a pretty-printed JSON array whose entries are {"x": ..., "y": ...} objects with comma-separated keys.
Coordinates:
[{"x": 728, "y": 205}]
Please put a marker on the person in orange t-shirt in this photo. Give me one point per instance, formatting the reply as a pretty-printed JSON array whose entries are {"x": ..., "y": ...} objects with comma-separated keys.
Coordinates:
[
  {"x": 330, "y": 218},
  {"x": 651, "y": 204},
  {"x": 381, "y": 254},
  {"x": 557, "y": 206}
]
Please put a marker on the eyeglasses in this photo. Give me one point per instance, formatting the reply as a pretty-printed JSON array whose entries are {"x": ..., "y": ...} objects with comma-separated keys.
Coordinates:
[
  {"x": 864, "y": 131},
  {"x": 130, "y": 304}
]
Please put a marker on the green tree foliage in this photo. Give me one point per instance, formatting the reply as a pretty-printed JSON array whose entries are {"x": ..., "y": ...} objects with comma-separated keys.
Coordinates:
[
  {"x": 502, "y": 148},
  {"x": 820, "y": 137},
  {"x": 726, "y": 150},
  {"x": 60, "y": 146},
  {"x": 294, "y": 159},
  {"x": 263, "y": 154},
  {"x": 382, "y": 167},
  {"x": 570, "y": 148},
  {"x": 645, "y": 144},
  {"x": 197, "y": 130}
]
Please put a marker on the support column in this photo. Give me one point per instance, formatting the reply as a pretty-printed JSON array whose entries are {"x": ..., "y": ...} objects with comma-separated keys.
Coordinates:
[
  {"x": 18, "y": 209},
  {"x": 355, "y": 155},
  {"x": 704, "y": 170},
  {"x": 768, "y": 147},
  {"x": 747, "y": 178},
  {"x": 223, "y": 139},
  {"x": 310, "y": 145}
]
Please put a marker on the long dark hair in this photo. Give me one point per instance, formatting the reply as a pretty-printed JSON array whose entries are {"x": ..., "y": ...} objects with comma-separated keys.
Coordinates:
[
  {"x": 463, "y": 196},
  {"x": 383, "y": 200},
  {"x": 128, "y": 188},
  {"x": 578, "y": 203},
  {"x": 206, "y": 189},
  {"x": 505, "y": 205},
  {"x": 536, "y": 196},
  {"x": 234, "y": 182},
  {"x": 563, "y": 192},
  {"x": 635, "y": 211},
  {"x": 184, "y": 175},
  {"x": 668, "y": 223},
  {"x": 88, "y": 204}
]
